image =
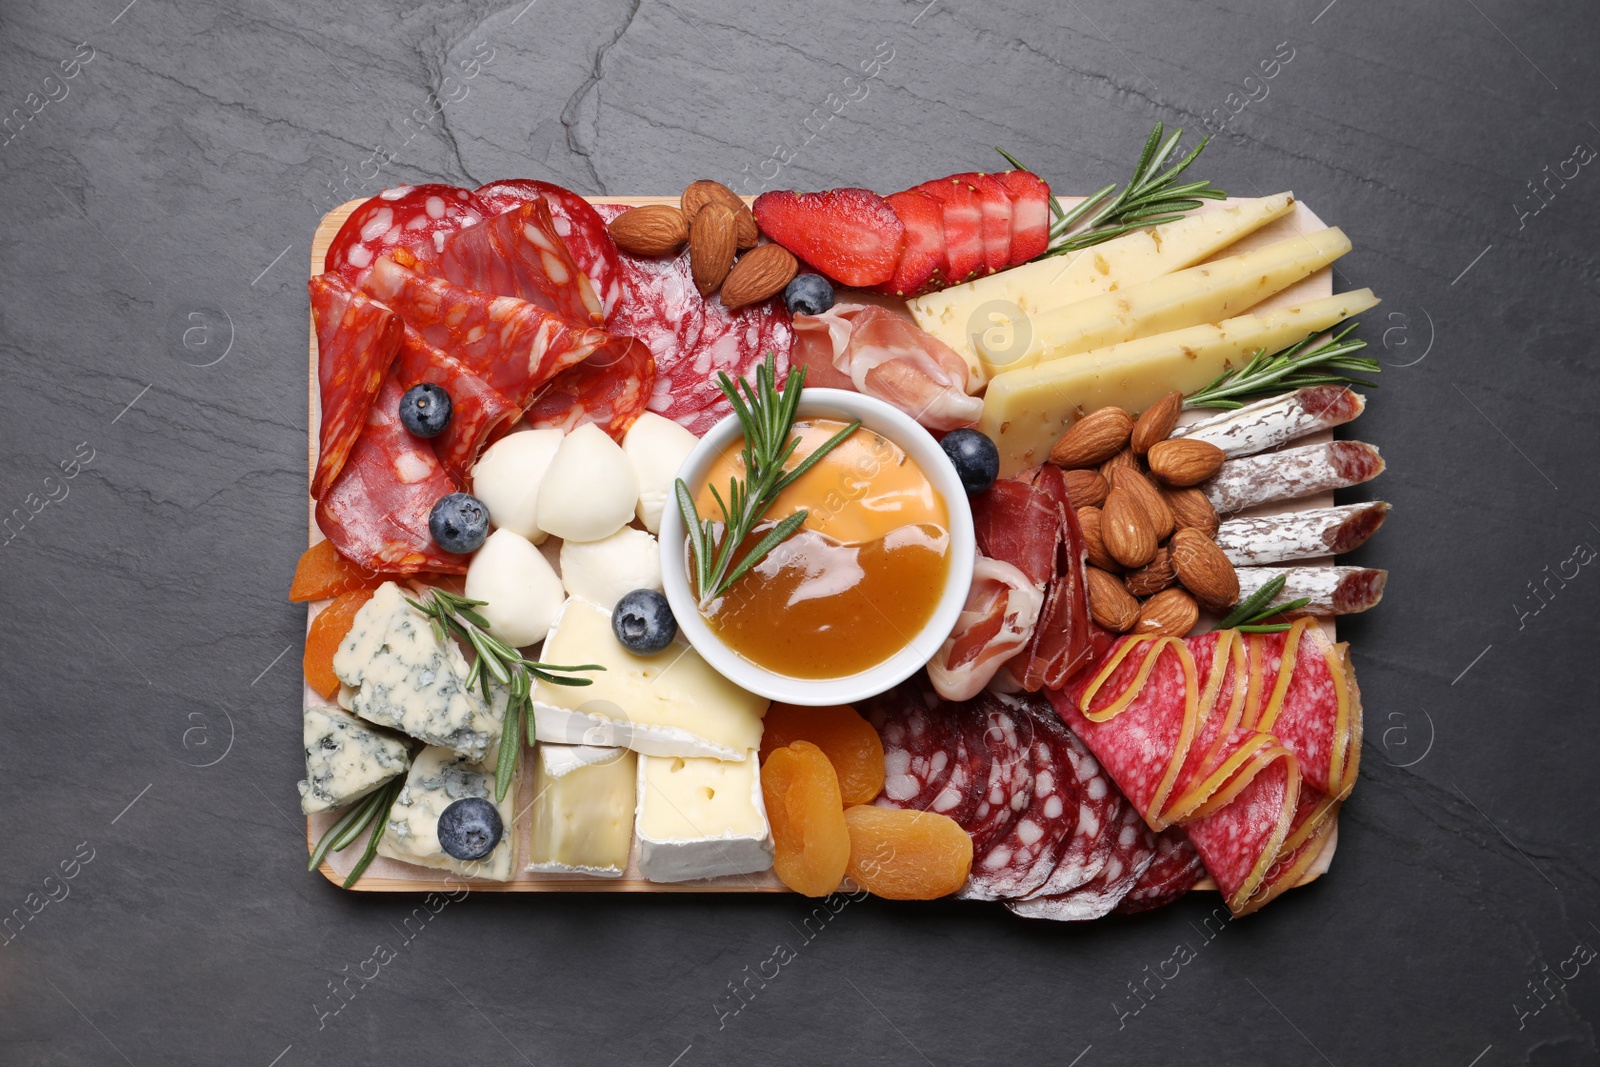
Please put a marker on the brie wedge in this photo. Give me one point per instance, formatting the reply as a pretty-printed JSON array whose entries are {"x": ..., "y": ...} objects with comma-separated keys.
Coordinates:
[
  {"x": 583, "y": 810},
  {"x": 701, "y": 818}
]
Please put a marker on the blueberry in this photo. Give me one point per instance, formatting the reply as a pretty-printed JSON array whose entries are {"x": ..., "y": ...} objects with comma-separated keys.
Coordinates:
[
  {"x": 976, "y": 460},
  {"x": 425, "y": 410},
  {"x": 643, "y": 622},
  {"x": 459, "y": 523},
  {"x": 808, "y": 294},
  {"x": 470, "y": 828}
]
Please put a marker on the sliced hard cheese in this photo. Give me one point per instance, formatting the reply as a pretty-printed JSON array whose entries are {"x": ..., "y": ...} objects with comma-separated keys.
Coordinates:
[
  {"x": 1206, "y": 293},
  {"x": 583, "y": 810},
  {"x": 668, "y": 704},
  {"x": 998, "y": 307},
  {"x": 701, "y": 818},
  {"x": 438, "y": 779},
  {"x": 346, "y": 759},
  {"x": 1025, "y": 411}
]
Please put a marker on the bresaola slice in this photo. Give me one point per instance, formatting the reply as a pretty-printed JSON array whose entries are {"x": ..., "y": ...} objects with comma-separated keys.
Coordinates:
[
  {"x": 417, "y": 218},
  {"x": 357, "y": 341}
]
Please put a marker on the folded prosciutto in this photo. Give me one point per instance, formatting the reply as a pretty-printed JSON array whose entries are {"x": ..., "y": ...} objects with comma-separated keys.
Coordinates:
[
  {"x": 995, "y": 623},
  {"x": 357, "y": 340},
  {"x": 479, "y": 413}
]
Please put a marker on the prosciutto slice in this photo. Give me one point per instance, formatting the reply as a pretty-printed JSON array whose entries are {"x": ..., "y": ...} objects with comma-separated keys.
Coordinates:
[
  {"x": 518, "y": 253},
  {"x": 874, "y": 351},
  {"x": 997, "y": 621},
  {"x": 479, "y": 413},
  {"x": 357, "y": 340}
]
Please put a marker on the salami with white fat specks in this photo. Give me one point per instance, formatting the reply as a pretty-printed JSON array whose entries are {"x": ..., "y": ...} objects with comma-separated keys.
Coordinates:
[
  {"x": 921, "y": 743},
  {"x": 1133, "y": 851},
  {"x": 1007, "y": 732},
  {"x": 1088, "y": 848},
  {"x": 579, "y": 226},
  {"x": 479, "y": 414},
  {"x": 418, "y": 218},
  {"x": 357, "y": 340},
  {"x": 1174, "y": 872},
  {"x": 519, "y": 253},
  {"x": 1023, "y": 859}
]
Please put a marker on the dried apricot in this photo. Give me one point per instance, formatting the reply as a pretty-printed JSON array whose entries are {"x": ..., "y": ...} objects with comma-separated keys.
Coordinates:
[
  {"x": 848, "y": 740},
  {"x": 810, "y": 841},
  {"x": 905, "y": 854},
  {"x": 322, "y": 573},
  {"x": 322, "y": 641}
]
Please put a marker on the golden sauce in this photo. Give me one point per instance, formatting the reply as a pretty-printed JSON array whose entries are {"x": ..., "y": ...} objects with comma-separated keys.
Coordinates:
[{"x": 858, "y": 581}]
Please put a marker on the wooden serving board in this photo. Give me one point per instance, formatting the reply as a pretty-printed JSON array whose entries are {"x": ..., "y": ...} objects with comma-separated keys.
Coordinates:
[{"x": 385, "y": 875}]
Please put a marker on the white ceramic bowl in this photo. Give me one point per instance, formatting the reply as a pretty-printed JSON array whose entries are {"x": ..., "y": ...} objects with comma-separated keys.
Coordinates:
[{"x": 917, "y": 443}]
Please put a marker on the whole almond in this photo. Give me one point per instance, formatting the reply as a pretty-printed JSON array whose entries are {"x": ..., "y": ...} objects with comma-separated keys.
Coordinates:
[
  {"x": 761, "y": 272},
  {"x": 1204, "y": 570},
  {"x": 1155, "y": 423},
  {"x": 1126, "y": 531},
  {"x": 1109, "y": 603},
  {"x": 1123, "y": 460},
  {"x": 1153, "y": 577},
  {"x": 1093, "y": 439},
  {"x": 705, "y": 191},
  {"x": 1089, "y": 521},
  {"x": 1086, "y": 489},
  {"x": 653, "y": 230},
  {"x": 1149, "y": 498},
  {"x": 1184, "y": 462},
  {"x": 1192, "y": 510},
  {"x": 1171, "y": 612},
  {"x": 711, "y": 246}
]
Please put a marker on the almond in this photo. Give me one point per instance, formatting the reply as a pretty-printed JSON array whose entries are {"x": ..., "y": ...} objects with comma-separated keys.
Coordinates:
[
  {"x": 1149, "y": 498},
  {"x": 1086, "y": 489},
  {"x": 1153, "y": 577},
  {"x": 1183, "y": 462},
  {"x": 1204, "y": 570},
  {"x": 653, "y": 230},
  {"x": 1089, "y": 521},
  {"x": 1193, "y": 510},
  {"x": 1109, "y": 603},
  {"x": 1123, "y": 460},
  {"x": 1155, "y": 423},
  {"x": 705, "y": 191},
  {"x": 711, "y": 246},
  {"x": 1093, "y": 439},
  {"x": 761, "y": 272},
  {"x": 1171, "y": 612},
  {"x": 1125, "y": 529}
]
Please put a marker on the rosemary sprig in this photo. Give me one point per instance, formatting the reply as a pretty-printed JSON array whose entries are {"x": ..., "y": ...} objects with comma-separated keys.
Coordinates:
[
  {"x": 1250, "y": 615},
  {"x": 454, "y": 615},
  {"x": 1333, "y": 363},
  {"x": 766, "y": 414},
  {"x": 371, "y": 811}
]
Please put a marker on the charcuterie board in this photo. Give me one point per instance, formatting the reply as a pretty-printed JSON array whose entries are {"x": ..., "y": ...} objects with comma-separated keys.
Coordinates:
[{"x": 387, "y": 875}]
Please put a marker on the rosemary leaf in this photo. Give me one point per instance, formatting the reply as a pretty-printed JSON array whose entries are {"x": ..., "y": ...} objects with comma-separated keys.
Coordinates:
[
  {"x": 382, "y": 808},
  {"x": 1251, "y": 605}
]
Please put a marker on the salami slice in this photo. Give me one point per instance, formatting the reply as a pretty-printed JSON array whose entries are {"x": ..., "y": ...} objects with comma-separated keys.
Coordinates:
[
  {"x": 610, "y": 389},
  {"x": 357, "y": 339},
  {"x": 417, "y": 218},
  {"x": 1133, "y": 851},
  {"x": 1331, "y": 590},
  {"x": 1240, "y": 842},
  {"x": 580, "y": 227},
  {"x": 1024, "y": 858},
  {"x": 518, "y": 253},
  {"x": 1271, "y": 422},
  {"x": 1300, "y": 534},
  {"x": 1291, "y": 474},
  {"x": 921, "y": 744},
  {"x": 479, "y": 413},
  {"x": 376, "y": 511},
  {"x": 1298, "y": 712},
  {"x": 1173, "y": 873},
  {"x": 1090, "y": 845}
]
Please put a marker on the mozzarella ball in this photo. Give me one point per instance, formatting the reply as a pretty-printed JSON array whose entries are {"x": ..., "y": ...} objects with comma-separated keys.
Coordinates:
[
  {"x": 522, "y": 595},
  {"x": 603, "y": 572},
  {"x": 589, "y": 490},
  {"x": 656, "y": 447},
  {"x": 507, "y": 476}
]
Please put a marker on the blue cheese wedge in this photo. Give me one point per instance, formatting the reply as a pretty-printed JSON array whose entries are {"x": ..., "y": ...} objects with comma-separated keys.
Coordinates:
[
  {"x": 669, "y": 704},
  {"x": 583, "y": 810},
  {"x": 701, "y": 818},
  {"x": 405, "y": 678},
  {"x": 439, "y": 778},
  {"x": 346, "y": 759}
]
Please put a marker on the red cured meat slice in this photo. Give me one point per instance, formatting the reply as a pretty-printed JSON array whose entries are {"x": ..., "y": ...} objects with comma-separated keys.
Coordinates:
[
  {"x": 518, "y": 253},
  {"x": 418, "y": 218},
  {"x": 1099, "y": 805},
  {"x": 376, "y": 511},
  {"x": 1239, "y": 843},
  {"x": 1016, "y": 523},
  {"x": 357, "y": 339},
  {"x": 962, "y": 217},
  {"x": 479, "y": 413},
  {"x": 1132, "y": 853},
  {"x": 610, "y": 389},
  {"x": 1301, "y": 720},
  {"x": 1025, "y": 857},
  {"x": 1030, "y": 213},
  {"x": 1315, "y": 825},
  {"x": 921, "y": 744},
  {"x": 1007, "y": 728},
  {"x": 580, "y": 227},
  {"x": 1176, "y": 869}
]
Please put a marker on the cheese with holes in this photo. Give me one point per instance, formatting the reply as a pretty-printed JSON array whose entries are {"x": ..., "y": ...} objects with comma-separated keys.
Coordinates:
[
  {"x": 346, "y": 759},
  {"x": 583, "y": 810},
  {"x": 668, "y": 704},
  {"x": 701, "y": 818},
  {"x": 1025, "y": 411},
  {"x": 438, "y": 779}
]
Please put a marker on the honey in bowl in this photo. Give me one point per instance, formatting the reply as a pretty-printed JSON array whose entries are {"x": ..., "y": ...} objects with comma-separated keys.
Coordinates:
[{"x": 858, "y": 581}]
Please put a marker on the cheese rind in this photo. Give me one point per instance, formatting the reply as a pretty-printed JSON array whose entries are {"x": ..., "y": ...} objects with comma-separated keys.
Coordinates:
[
  {"x": 438, "y": 779},
  {"x": 701, "y": 818},
  {"x": 583, "y": 810},
  {"x": 345, "y": 759}
]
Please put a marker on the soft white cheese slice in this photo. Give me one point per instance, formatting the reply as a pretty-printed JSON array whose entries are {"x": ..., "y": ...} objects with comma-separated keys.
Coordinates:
[
  {"x": 603, "y": 572},
  {"x": 583, "y": 810},
  {"x": 656, "y": 447},
  {"x": 438, "y": 779},
  {"x": 701, "y": 818},
  {"x": 346, "y": 759},
  {"x": 669, "y": 704}
]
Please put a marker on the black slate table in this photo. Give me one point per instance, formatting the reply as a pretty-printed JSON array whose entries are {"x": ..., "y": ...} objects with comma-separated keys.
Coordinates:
[{"x": 158, "y": 207}]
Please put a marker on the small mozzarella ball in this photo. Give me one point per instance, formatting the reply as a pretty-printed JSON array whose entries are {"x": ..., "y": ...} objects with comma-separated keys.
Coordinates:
[
  {"x": 507, "y": 476},
  {"x": 589, "y": 490},
  {"x": 603, "y": 572},
  {"x": 522, "y": 595},
  {"x": 656, "y": 447}
]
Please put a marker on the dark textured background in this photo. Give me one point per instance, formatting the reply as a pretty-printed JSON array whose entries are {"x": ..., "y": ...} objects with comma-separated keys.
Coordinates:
[{"x": 155, "y": 229}]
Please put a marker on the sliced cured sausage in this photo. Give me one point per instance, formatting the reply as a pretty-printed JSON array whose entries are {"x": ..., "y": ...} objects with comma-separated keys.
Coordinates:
[
  {"x": 518, "y": 253},
  {"x": 611, "y": 389},
  {"x": 580, "y": 227},
  {"x": 1006, "y": 728},
  {"x": 1271, "y": 422},
  {"x": 1300, "y": 534},
  {"x": 1099, "y": 806},
  {"x": 1291, "y": 474},
  {"x": 357, "y": 340},
  {"x": 1133, "y": 850},
  {"x": 921, "y": 744},
  {"x": 418, "y": 218},
  {"x": 479, "y": 413},
  {"x": 1173, "y": 873},
  {"x": 1331, "y": 590},
  {"x": 995, "y": 623}
]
